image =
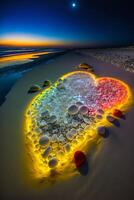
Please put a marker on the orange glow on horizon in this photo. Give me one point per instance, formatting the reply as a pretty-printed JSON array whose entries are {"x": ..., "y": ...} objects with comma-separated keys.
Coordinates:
[{"x": 29, "y": 41}]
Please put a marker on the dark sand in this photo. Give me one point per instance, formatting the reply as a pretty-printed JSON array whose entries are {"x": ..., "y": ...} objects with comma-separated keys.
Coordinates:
[{"x": 111, "y": 170}]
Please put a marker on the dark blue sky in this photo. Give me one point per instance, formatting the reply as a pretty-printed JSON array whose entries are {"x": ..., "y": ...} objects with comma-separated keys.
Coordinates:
[{"x": 92, "y": 23}]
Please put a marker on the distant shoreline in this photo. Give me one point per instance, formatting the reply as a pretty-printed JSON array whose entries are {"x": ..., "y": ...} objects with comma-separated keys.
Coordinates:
[
  {"x": 10, "y": 75},
  {"x": 19, "y": 67}
]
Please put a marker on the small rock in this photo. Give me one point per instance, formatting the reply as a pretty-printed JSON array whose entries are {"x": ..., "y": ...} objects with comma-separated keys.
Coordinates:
[
  {"x": 73, "y": 110},
  {"x": 117, "y": 113},
  {"x": 44, "y": 140},
  {"x": 67, "y": 147},
  {"x": 85, "y": 66},
  {"x": 79, "y": 158},
  {"x": 69, "y": 136},
  {"x": 75, "y": 124},
  {"x": 87, "y": 120},
  {"x": 46, "y": 152},
  {"x": 47, "y": 83},
  {"x": 100, "y": 111},
  {"x": 38, "y": 131},
  {"x": 34, "y": 88},
  {"x": 102, "y": 131},
  {"x": 53, "y": 162},
  {"x": 110, "y": 118},
  {"x": 83, "y": 110}
]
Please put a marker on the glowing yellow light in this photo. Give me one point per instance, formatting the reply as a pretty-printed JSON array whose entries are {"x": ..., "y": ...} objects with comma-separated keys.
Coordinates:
[{"x": 66, "y": 167}]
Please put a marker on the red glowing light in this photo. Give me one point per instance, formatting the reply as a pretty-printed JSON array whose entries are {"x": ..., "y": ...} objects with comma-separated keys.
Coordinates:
[{"x": 111, "y": 92}]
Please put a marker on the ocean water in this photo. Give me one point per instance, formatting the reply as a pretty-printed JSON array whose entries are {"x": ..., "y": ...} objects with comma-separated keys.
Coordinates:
[
  {"x": 15, "y": 62},
  {"x": 6, "y": 51},
  {"x": 18, "y": 55}
]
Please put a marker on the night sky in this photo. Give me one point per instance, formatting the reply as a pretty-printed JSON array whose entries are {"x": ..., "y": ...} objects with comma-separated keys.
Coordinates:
[{"x": 89, "y": 23}]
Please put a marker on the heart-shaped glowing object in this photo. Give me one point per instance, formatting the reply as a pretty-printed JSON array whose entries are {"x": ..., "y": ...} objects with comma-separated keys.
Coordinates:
[{"x": 63, "y": 119}]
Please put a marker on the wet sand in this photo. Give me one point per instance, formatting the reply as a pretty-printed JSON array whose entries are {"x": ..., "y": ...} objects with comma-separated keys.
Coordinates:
[
  {"x": 111, "y": 170},
  {"x": 9, "y": 75}
]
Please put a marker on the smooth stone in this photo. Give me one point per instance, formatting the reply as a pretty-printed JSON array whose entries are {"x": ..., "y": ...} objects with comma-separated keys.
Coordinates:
[
  {"x": 79, "y": 158},
  {"x": 34, "y": 88},
  {"x": 85, "y": 66},
  {"x": 52, "y": 162},
  {"x": 73, "y": 110},
  {"x": 100, "y": 111},
  {"x": 67, "y": 147},
  {"x": 46, "y": 152},
  {"x": 44, "y": 140},
  {"x": 87, "y": 120},
  {"x": 117, "y": 113},
  {"x": 110, "y": 118},
  {"x": 83, "y": 110},
  {"x": 38, "y": 131},
  {"x": 69, "y": 136},
  {"x": 75, "y": 124},
  {"x": 47, "y": 83},
  {"x": 101, "y": 131}
]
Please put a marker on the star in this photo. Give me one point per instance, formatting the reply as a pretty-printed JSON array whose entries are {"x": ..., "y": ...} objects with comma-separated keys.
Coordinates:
[{"x": 73, "y": 5}]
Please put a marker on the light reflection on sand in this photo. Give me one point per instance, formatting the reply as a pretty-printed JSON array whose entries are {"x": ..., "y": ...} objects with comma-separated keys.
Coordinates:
[{"x": 20, "y": 59}]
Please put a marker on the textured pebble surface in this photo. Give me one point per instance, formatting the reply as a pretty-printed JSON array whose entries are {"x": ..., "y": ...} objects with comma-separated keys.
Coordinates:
[{"x": 61, "y": 117}]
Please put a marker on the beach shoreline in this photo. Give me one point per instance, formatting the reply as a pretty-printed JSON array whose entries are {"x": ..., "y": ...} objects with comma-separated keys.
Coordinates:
[{"x": 10, "y": 75}]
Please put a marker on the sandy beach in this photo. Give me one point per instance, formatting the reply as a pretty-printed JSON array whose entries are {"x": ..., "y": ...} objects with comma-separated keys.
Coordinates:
[{"x": 111, "y": 169}]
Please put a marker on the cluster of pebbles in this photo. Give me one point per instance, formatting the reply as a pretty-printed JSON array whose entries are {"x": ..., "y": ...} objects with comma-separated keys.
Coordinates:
[{"x": 60, "y": 115}]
